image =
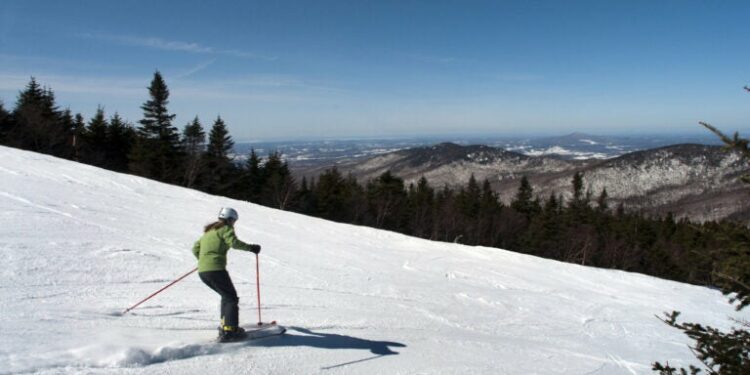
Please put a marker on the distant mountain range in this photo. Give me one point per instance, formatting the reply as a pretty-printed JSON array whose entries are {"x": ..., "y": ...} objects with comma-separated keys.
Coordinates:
[
  {"x": 697, "y": 181},
  {"x": 307, "y": 154}
]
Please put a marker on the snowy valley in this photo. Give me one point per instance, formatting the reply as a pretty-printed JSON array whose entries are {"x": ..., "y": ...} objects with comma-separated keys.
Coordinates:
[{"x": 81, "y": 244}]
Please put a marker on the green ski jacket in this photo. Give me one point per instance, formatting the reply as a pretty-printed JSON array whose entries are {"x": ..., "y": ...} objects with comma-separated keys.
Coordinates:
[{"x": 211, "y": 249}]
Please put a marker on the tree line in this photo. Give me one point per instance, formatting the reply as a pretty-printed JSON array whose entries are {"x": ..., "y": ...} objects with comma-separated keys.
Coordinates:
[
  {"x": 583, "y": 229},
  {"x": 153, "y": 148}
]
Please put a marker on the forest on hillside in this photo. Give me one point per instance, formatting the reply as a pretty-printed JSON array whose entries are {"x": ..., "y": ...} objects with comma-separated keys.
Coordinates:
[{"x": 584, "y": 229}]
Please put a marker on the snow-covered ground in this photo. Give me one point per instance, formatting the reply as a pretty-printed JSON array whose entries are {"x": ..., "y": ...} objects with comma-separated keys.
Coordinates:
[{"x": 80, "y": 244}]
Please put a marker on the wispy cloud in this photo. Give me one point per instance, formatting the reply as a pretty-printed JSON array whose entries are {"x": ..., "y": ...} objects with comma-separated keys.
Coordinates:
[
  {"x": 268, "y": 88},
  {"x": 518, "y": 77},
  {"x": 10, "y": 61},
  {"x": 280, "y": 82},
  {"x": 173, "y": 45},
  {"x": 76, "y": 84},
  {"x": 195, "y": 69},
  {"x": 434, "y": 59}
]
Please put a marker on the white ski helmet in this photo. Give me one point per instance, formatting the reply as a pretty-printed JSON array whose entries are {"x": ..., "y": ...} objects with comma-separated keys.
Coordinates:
[{"x": 228, "y": 214}]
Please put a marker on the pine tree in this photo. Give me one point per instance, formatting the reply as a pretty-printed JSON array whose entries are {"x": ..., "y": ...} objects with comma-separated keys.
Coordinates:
[
  {"x": 220, "y": 168},
  {"x": 356, "y": 201},
  {"x": 79, "y": 128},
  {"x": 253, "y": 179},
  {"x": 120, "y": 140},
  {"x": 95, "y": 139},
  {"x": 279, "y": 189},
  {"x": 523, "y": 201},
  {"x": 580, "y": 198},
  {"x": 469, "y": 199},
  {"x": 421, "y": 204},
  {"x": 544, "y": 236},
  {"x": 332, "y": 196},
  {"x": 27, "y": 115},
  {"x": 194, "y": 143},
  {"x": 37, "y": 125},
  {"x": 68, "y": 124},
  {"x": 489, "y": 209},
  {"x": 306, "y": 202},
  {"x": 446, "y": 218},
  {"x": 220, "y": 143},
  {"x": 387, "y": 198},
  {"x": 579, "y": 211},
  {"x": 5, "y": 124},
  {"x": 157, "y": 154},
  {"x": 467, "y": 202},
  {"x": 96, "y": 131}
]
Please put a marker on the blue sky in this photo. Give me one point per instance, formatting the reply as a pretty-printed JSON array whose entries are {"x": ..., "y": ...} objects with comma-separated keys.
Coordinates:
[{"x": 311, "y": 69}]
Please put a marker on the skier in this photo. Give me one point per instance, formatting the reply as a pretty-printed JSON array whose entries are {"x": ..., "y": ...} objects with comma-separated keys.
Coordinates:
[{"x": 211, "y": 252}]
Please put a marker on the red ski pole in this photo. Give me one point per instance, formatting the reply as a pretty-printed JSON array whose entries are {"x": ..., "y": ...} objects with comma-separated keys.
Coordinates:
[
  {"x": 159, "y": 291},
  {"x": 257, "y": 284}
]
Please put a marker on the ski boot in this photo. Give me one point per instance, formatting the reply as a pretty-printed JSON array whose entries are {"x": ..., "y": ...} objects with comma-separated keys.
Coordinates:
[{"x": 230, "y": 333}]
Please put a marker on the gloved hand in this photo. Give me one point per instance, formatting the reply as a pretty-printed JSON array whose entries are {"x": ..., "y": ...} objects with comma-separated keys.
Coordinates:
[{"x": 255, "y": 248}]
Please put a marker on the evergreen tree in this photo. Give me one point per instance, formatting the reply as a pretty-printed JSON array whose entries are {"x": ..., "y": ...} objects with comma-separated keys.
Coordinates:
[
  {"x": 447, "y": 220},
  {"x": 356, "y": 201},
  {"x": 120, "y": 138},
  {"x": 306, "y": 202},
  {"x": 333, "y": 196},
  {"x": 468, "y": 202},
  {"x": 157, "y": 154},
  {"x": 733, "y": 143},
  {"x": 489, "y": 210},
  {"x": 552, "y": 207},
  {"x": 68, "y": 124},
  {"x": 220, "y": 143},
  {"x": 79, "y": 128},
  {"x": 279, "y": 188},
  {"x": 253, "y": 179},
  {"x": 36, "y": 122},
  {"x": 421, "y": 204},
  {"x": 469, "y": 199},
  {"x": 387, "y": 198},
  {"x": 194, "y": 143},
  {"x": 544, "y": 237},
  {"x": 523, "y": 201},
  {"x": 220, "y": 169},
  {"x": 96, "y": 131},
  {"x": 579, "y": 211},
  {"x": 95, "y": 139},
  {"x": 27, "y": 116},
  {"x": 580, "y": 199},
  {"x": 5, "y": 124}
]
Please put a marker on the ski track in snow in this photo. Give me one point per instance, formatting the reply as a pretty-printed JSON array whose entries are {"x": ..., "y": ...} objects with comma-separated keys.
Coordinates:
[{"x": 81, "y": 244}]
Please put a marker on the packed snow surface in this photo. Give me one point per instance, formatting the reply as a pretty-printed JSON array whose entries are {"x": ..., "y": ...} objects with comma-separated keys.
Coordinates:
[{"x": 80, "y": 244}]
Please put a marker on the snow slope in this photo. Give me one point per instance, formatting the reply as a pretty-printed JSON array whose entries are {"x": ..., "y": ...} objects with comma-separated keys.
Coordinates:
[{"x": 80, "y": 244}]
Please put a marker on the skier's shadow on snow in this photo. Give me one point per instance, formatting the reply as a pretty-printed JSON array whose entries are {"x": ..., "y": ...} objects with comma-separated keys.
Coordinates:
[{"x": 332, "y": 341}]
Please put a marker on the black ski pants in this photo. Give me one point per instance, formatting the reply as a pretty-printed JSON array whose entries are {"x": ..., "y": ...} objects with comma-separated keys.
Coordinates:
[{"x": 220, "y": 282}]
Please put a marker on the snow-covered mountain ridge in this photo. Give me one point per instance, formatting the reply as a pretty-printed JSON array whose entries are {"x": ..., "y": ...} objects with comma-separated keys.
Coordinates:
[
  {"x": 80, "y": 244},
  {"x": 699, "y": 182}
]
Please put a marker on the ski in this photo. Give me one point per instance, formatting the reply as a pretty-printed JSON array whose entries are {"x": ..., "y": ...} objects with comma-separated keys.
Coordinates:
[
  {"x": 261, "y": 330},
  {"x": 264, "y": 330}
]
